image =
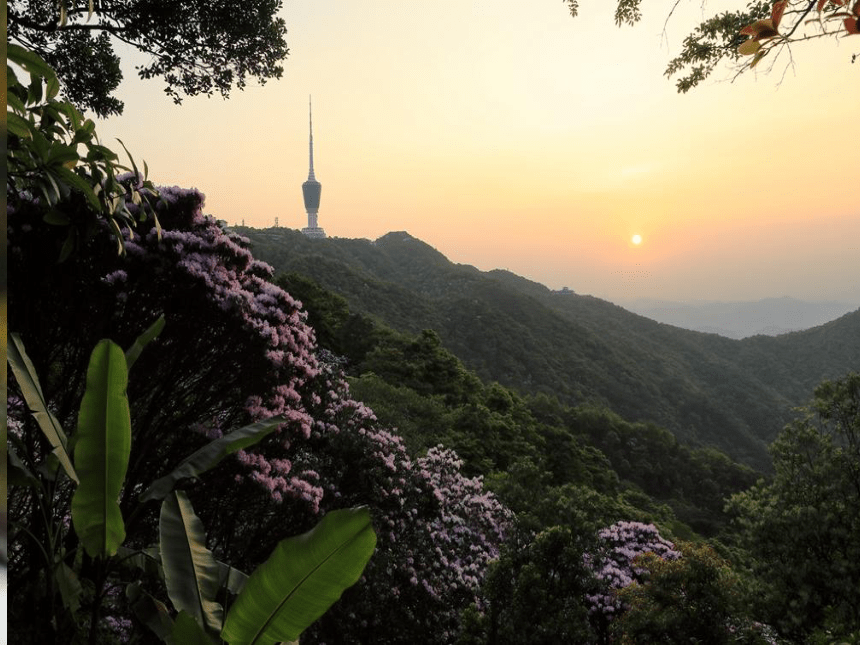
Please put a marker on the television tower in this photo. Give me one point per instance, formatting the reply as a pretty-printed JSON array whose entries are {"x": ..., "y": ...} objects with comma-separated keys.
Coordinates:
[{"x": 311, "y": 189}]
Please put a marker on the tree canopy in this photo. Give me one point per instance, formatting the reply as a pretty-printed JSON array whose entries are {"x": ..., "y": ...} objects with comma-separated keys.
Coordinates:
[
  {"x": 196, "y": 47},
  {"x": 745, "y": 36},
  {"x": 803, "y": 527}
]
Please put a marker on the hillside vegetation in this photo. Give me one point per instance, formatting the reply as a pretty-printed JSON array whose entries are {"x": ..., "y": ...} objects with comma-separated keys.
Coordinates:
[{"x": 708, "y": 390}]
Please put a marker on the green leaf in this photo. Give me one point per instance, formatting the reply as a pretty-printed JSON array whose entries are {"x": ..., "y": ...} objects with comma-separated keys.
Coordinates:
[
  {"x": 190, "y": 571},
  {"x": 147, "y": 560},
  {"x": 56, "y": 218},
  {"x": 15, "y": 103},
  {"x": 80, "y": 184},
  {"x": 210, "y": 455},
  {"x": 34, "y": 92},
  {"x": 52, "y": 87},
  {"x": 61, "y": 154},
  {"x": 25, "y": 374},
  {"x": 133, "y": 352},
  {"x": 304, "y": 576},
  {"x": 17, "y": 472},
  {"x": 19, "y": 126},
  {"x": 69, "y": 586},
  {"x": 133, "y": 165},
  {"x": 102, "y": 451},
  {"x": 29, "y": 61},
  {"x": 85, "y": 132},
  {"x": 231, "y": 579},
  {"x": 150, "y": 611},
  {"x": 186, "y": 631}
]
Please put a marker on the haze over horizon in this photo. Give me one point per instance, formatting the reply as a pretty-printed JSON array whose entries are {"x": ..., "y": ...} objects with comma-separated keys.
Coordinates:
[{"x": 510, "y": 135}]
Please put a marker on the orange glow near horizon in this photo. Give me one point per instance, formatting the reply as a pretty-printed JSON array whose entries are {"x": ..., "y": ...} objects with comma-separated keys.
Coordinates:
[{"x": 487, "y": 130}]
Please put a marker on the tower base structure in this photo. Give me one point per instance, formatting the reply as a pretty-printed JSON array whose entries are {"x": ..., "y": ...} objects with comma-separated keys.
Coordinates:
[{"x": 314, "y": 231}]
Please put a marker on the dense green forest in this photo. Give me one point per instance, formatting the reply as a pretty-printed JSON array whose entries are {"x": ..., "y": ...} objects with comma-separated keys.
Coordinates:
[
  {"x": 373, "y": 445},
  {"x": 706, "y": 389}
]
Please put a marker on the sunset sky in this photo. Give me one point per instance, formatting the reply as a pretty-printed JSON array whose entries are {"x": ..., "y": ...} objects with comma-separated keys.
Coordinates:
[{"x": 507, "y": 134}]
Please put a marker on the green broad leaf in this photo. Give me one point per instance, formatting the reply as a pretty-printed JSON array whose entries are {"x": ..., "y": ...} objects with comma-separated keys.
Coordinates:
[
  {"x": 69, "y": 586},
  {"x": 34, "y": 92},
  {"x": 147, "y": 560},
  {"x": 102, "y": 451},
  {"x": 61, "y": 154},
  {"x": 29, "y": 61},
  {"x": 15, "y": 103},
  {"x": 128, "y": 154},
  {"x": 133, "y": 352},
  {"x": 231, "y": 579},
  {"x": 56, "y": 218},
  {"x": 17, "y": 472},
  {"x": 19, "y": 126},
  {"x": 25, "y": 374},
  {"x": 78, "y": 183},
  {"x": 85, "y": 132},
  {"x": 304, "y": 576},
  {"x": 210, "y": 455},
  {"x": 50, "y": 189},
  {"x": 191, "y": 573},
  {"x": 11, "y": 79},
  {"x": 186, "y": 631},
  {"x": 52, "y": 87},
  {"x": 150, "y": 611},
  {"x": 49, "y": 468}
]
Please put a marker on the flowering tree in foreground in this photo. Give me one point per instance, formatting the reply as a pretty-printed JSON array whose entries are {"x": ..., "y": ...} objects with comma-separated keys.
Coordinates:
[{"x": 234, "y": 349}]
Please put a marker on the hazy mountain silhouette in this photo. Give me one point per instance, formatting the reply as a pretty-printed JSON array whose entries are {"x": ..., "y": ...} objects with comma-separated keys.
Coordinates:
[
  {"x": 705, "y": 388},
  {"x": 770, "y": 316}
]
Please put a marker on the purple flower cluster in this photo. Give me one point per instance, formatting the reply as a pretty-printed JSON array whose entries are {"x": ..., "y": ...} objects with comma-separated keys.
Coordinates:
[
  {"x": 614, "y": 565},
  {"x": 469, "y": 527},
  {"x": 237, "y": 349}
]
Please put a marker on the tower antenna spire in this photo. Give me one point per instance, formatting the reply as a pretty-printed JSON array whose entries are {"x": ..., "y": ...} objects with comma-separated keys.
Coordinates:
[
  {"x": 311, "y": 189},
  {"x": 311, "y": 143}
]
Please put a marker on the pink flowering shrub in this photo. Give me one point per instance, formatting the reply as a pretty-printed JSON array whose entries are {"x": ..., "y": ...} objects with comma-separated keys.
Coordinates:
[
  {"x": 614, "y": 564},
  {"x": 235, "y": 349},
  {"x": 437, "y": 529}
]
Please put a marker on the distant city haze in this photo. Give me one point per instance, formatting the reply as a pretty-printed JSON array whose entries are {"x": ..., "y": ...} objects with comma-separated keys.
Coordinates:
[
  {"x": 509, "y": 135},
  {"x": 770, "y": 316}
]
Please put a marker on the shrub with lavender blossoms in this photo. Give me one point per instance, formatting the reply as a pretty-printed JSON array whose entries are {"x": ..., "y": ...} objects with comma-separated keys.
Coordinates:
[
  {"x": 236, "y": 349},
  {"x": 615, "y": 565},
  {"x": 437, "y": 529}
]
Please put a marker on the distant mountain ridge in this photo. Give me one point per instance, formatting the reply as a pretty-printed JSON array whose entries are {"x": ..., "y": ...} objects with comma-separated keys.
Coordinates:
[
  {"x": 705, "y": 388},
  {"x": 769, "y": 316}
]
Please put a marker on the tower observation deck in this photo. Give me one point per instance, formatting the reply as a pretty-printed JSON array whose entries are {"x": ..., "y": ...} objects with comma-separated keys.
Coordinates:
[{"x": 311, "y": 189}]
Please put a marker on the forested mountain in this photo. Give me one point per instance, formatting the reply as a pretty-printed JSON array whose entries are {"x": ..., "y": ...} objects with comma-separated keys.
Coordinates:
[{"x": 707, "y": 389}]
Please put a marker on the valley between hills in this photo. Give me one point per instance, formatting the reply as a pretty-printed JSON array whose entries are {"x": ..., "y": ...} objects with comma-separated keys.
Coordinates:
[{"x": 708, "y": 390}]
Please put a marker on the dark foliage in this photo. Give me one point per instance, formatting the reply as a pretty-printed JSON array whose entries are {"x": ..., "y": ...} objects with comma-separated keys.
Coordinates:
[{"x": 196, "y": 47}]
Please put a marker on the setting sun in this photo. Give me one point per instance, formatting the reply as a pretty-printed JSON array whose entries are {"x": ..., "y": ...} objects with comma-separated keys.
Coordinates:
[{"x": 636, "y": 239}]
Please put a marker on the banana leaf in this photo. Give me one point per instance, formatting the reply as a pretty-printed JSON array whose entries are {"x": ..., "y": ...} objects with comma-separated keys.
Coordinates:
[
  {"x": 191, "y": 574},
  {"x": 210, "y": 455},
  {"x": 102, "y": 452},
  {"x": 304, "y": 576},
  {"x": 28, "y": 381}
]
